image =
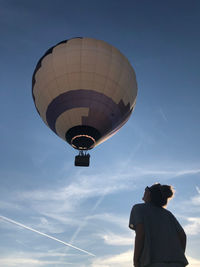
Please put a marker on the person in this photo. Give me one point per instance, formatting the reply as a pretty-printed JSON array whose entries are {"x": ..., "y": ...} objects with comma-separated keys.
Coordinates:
[{"x": 160, "y": 241}]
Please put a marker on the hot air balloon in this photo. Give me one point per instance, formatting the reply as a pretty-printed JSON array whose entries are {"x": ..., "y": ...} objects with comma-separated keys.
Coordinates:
[{"x": 84, "y": 90}]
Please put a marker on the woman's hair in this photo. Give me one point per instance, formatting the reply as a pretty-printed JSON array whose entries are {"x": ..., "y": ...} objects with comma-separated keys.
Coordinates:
[{"x": 160, "y": 194}]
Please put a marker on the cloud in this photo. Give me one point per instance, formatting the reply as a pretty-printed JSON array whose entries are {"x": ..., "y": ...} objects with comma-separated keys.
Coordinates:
[
  {"x": 187, "y": 172},
  {"x": 24, "y": 262},
  {"x": 62, "y": 202},
  {"x": 163, "y": 114},
  {"x": 124, "y": 259},
  {"x": 193, "y": 228},
  {"x": 111, "y": 218},
  {"x": 116, "y": 240},
  {"x": 198, "y": 189},
  {"x": 43, "y": 234},
  {"x": 170, "y": 173},
  {"x": 33, "y": 259},
  {"x": 196, "y": 199},
  {"x": 48, "y": 226},
  {"x": 188, "y": 211},
  {"x": 83, "y": 187},
  {"x": 6, "y": 205},
  {"x": 190, "y": 207},
  {"x": 193, "y": 262}
]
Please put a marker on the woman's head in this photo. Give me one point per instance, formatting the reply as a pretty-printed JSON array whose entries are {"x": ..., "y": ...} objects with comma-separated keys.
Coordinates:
[{"x": 158, "y": 194}]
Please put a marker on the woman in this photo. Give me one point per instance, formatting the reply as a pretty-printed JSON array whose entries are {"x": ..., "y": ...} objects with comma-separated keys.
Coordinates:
[{"x": 160, "y": 240}]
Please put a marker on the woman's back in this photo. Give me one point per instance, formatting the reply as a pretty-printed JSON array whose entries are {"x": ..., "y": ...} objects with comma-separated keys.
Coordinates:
[{"x": 161, "y": 242}]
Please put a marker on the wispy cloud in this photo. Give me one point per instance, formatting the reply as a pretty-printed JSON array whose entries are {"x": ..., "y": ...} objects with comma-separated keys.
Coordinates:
[
  {"x": 124, "y": 259},
  {"x": 33, "y": 259},
  {"x": 86, "y": 186},
  {"x": 169, "y": 173},
  {"x": 6, "y": 205},
  {"x": 193, "y": 262},
  {"x": 193, "y": 227},
  {"x": 85, "y": 220},
  {"x": 190, "y": 207},
  {"x": 31, "y": 262},
  {"x": 43, "y": 234},
  {"x": 63, "y": 203},
  {"x": 163, "y": 114},
  {"x": 48, "y": 226},
  {"x": 116, "y": 240},
  {"x": 61, "y": 206},
  {"x": 111, "y": 218},
  {"x": 196, "y": 199},
  {"x": 198, "y": 190},
  {"x": 81, "y": 188}
]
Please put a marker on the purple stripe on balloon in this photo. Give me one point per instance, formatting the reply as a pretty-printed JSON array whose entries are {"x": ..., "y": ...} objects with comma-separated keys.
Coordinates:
[
  {"x": 104, "y": 113},
  {"x": 98, "y": 120}
]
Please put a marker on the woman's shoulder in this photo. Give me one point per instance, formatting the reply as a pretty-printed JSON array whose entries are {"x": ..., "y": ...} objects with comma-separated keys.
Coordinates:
[
  {"x": 168, "y": 212},
  {"x": 171, "y": 215},
  {"x": 139, "y": 207}
]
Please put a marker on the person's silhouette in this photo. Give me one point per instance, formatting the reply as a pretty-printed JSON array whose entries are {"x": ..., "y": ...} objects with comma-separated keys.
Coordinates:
[{"x": 160, "y": 240}]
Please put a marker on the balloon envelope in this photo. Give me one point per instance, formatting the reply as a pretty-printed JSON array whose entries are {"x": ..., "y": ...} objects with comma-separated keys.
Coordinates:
[{"x": 85, "y": 90}]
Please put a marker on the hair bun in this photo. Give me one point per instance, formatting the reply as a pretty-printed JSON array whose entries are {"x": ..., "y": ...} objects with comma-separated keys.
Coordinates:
[
  {"x": 160, "y": 194},
  {"x": 167, "y": 191}
]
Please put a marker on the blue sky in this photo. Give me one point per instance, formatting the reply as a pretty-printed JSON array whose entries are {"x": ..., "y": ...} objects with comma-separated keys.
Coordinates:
[{"x": 89, "y": 207}]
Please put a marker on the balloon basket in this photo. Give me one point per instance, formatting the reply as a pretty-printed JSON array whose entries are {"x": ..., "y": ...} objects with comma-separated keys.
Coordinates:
[{"x": 82, "y": 159}]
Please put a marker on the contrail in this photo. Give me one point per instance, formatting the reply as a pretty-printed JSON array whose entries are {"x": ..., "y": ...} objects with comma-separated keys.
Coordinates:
[
  {"x": 40, "y": 233},
  {"x": 163, "y": 114}
]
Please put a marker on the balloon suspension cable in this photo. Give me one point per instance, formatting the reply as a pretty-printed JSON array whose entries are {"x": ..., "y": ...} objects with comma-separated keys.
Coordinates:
[{"x": 84, "y": 153}]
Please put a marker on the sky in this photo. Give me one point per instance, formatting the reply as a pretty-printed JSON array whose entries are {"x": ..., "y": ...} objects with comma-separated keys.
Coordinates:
[{"x": 89, "y": 208}]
